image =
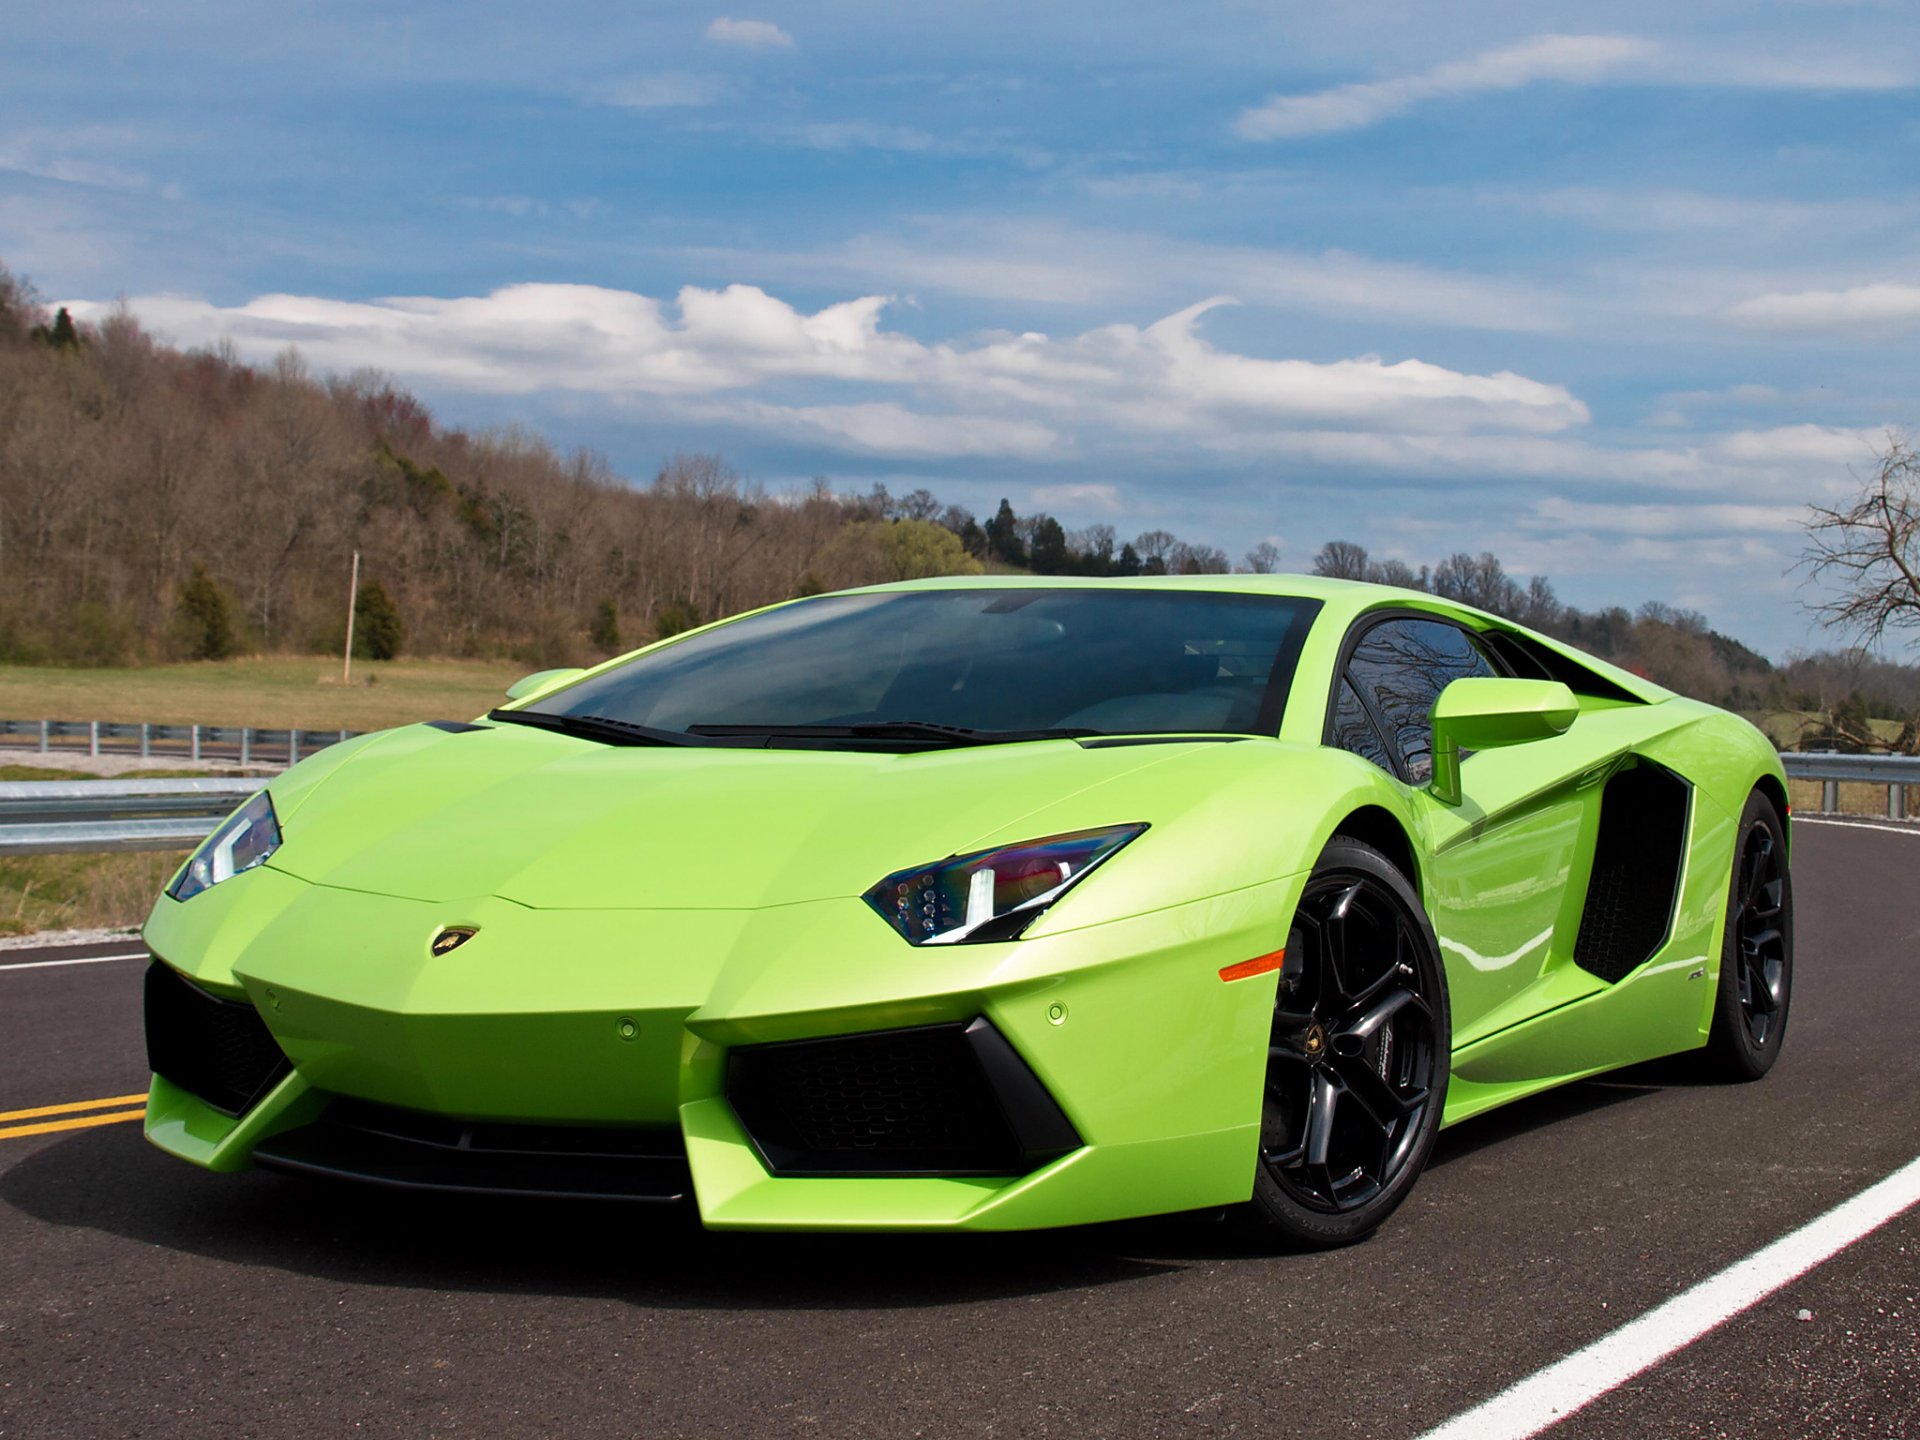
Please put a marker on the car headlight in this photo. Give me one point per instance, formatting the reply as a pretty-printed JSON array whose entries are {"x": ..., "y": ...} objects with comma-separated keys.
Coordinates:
[
  {"x": 245, "y": 839},
  {"x": 991, "y": 894}
]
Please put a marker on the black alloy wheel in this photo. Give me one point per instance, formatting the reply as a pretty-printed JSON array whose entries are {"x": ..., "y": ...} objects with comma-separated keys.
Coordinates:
[
  {"x": 1358, "y": 1056},
  {"x": 1756, "y": 958}
]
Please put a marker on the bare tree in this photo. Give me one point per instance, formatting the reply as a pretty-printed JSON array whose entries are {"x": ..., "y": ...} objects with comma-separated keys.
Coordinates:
[
  {"x": 1867, "y": 549},
  {"x": 1342, "y": 560},
  {"x": 1262, "y": 559}
]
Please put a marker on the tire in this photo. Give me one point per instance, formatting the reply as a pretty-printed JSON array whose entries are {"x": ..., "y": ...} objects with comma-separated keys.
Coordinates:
[
  {"x": 1756, "y": 954},
  {"x": 1358, "y": 1056}
]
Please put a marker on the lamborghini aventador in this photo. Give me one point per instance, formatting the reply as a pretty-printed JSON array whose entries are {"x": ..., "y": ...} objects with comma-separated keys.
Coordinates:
[{"x": 990, "y": 903}]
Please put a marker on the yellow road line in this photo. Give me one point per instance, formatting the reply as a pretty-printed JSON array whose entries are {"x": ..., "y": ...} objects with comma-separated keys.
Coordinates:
[
  {"x": 107, "y": 1104},
  {"x": 78, "y": 1122}
]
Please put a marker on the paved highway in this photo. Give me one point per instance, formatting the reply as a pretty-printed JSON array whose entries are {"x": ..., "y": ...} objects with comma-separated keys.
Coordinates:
[{"x": 141, "y": 1297}]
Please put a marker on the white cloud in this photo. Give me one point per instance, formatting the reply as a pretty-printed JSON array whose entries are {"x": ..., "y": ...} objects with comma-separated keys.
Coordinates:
[
  {"x": 1080, "y": 499},
  {"x": 1680, "y": 211},
  {"x": 886, "y": 428},
  {"x": 1664, "y": 521},
  {"x": 71, "y": 157},
  {"x": 862, "y": 135},
  {"x": 1574, "y": 59},
  {"x": 754, "y": 34},
  {"x": 666, "y": 90},
  {"x": 1886, "y": 307},
  {"x": 877, "y": 390},
  {"x": 1075, "y": 265}
]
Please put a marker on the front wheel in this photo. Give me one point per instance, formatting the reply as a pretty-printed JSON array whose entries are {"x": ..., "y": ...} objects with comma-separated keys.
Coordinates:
[
  {"x": 1358, "y": 1056},
  {"x": 1756, "y": 957}
]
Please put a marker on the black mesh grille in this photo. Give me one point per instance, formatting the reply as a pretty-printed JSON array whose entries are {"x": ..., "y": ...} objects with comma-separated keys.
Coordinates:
[
  {"x": 218, "y": 1049},
  {"x": 1636, "y": 871},
  {"x": 407, "y": 1149},
  {"x": 897, "y": 1102}
]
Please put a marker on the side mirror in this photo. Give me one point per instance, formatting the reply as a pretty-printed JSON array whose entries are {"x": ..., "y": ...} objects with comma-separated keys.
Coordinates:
[
  {"x": 1482, "y": 713},
  {"x": 540, "y": 680}
]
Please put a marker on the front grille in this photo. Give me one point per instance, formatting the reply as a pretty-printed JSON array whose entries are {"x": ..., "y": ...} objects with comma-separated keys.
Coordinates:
[
  {"x": 410, "y": 1150},
  {"x": 938, "y": 1099},
  {"x": 219, "y": 1050}
]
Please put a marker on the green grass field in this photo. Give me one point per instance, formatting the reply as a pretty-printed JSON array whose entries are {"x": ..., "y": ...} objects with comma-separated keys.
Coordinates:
[
  {"x": 274, "y": 693},
  {"x": 70, "y": 892}
]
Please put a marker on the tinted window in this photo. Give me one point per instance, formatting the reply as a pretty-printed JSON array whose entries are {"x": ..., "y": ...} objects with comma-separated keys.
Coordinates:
[
  {"x": 1401, "y": 666},
  {"x": 1353, "y": 728},
  {"x": 1112, "y": 660}
]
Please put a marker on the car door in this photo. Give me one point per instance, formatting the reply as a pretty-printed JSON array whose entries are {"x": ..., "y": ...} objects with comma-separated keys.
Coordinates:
[{"x": 1498, "y": 867}]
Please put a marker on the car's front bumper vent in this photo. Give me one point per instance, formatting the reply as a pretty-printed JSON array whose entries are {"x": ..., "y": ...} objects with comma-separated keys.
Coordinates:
[
  {"x": 409, "y": 1150},
  {"x": 933, "y": 1100},
  {"x": 219, "y": 1050}
]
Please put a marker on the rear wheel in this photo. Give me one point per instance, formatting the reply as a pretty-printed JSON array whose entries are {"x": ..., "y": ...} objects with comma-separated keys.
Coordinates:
[
  {"x": 1358, "y": 1056},
  {"x": 1756, "y": 957}
]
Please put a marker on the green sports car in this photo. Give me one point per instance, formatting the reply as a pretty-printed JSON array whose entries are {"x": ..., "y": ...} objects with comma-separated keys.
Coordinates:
[{"x": 980, "y": 904}]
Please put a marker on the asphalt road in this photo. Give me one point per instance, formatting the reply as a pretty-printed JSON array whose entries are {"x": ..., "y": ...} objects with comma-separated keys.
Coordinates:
[{"x": 140, "y": 1297}]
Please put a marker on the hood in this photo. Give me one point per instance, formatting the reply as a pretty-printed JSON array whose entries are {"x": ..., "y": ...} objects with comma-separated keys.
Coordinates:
[{"x": 555, "y": 822}]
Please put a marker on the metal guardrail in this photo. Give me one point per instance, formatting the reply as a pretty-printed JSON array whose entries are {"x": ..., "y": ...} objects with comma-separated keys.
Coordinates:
[
  {"x": 63, "y": 817},
  {"x": 1830, "y": 768},
  {"x": 245, "y": 744}
]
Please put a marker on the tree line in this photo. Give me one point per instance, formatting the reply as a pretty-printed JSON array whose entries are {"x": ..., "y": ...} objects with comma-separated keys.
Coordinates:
[{"x": 160, "y": 503}]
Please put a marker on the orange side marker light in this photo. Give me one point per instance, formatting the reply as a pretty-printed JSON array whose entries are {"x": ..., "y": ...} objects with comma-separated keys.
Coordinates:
[{"x": 1259, "y": 965}]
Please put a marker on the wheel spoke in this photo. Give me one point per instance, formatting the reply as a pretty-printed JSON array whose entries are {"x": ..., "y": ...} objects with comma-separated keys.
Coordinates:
[
  {"x": 1352, "y": 1037},
  {"x": 1760, "y": 855},
  {"x": 1378, "y": 1098},
  {"x": 1334, "y": 936},
  {"x": 1323, "y": 1099}
]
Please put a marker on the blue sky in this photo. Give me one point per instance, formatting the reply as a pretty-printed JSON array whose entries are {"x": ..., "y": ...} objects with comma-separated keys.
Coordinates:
[{"x": 1614, "y": 291}]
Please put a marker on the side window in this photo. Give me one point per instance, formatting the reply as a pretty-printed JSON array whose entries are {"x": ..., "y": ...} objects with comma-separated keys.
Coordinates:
[
  {"x": 1353, "y": 728},
  {"x": 1401, "y": 666}
]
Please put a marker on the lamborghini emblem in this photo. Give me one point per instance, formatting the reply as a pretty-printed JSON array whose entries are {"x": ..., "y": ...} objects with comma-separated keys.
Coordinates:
[{"x": 452, "y": 938}]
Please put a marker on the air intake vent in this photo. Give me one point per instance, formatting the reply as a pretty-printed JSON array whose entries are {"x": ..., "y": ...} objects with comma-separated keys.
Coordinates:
[
  {"x": 936, "y": 1100},
  {"x": 218, "y": 1049},
  {"x": 1636, "y": 871}
]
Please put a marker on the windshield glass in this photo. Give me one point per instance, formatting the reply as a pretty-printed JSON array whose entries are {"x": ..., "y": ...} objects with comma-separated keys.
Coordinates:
[{"x": 1109, "y": 661}]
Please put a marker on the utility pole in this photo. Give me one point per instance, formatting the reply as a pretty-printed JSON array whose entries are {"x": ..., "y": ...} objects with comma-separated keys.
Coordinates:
[{"x": 353, "y": 594}]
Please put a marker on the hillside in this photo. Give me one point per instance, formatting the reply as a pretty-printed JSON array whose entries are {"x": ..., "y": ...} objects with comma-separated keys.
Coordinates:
[{"x": 164, "y": 505}]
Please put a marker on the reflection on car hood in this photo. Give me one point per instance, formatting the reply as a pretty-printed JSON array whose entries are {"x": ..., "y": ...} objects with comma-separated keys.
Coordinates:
[{"x": 555, "y": 822}]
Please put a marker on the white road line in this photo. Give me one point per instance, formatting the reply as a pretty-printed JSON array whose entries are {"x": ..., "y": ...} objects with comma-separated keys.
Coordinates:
[
  {"x": 84, "y": 960},
  {"x": 1857, "y": 825},
  {"x": 1551, "y": 1395}
]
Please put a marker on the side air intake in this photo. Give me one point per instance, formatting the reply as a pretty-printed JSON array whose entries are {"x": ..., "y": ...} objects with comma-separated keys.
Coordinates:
[
  {"x": 1637, "y": 860},
  {"x": 218, "y": 1049}
]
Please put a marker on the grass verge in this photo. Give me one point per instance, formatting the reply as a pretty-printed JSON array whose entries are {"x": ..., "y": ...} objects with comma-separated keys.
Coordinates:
[
  {"x": 274, "y": 693},
  {"x": 73, "y": 892}
]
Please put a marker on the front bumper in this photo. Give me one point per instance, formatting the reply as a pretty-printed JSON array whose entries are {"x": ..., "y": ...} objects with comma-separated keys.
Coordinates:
[{"x": 606, "y": 1022}]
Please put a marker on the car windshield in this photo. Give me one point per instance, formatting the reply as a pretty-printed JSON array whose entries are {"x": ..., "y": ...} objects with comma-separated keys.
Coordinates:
[{"x": 979, "y": 662}]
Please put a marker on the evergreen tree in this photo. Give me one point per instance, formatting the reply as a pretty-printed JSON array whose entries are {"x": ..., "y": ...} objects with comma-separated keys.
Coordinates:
[
  {"x": 61, "y": 335},
  {"x": 377, "y": 628},
  {"x": 1049, "y": 555},
  {"x": 1129, "y": 561},
  {"x": 604, "y": 633},
  {"x": 675, "y": 616},
  {"x": 203, "y": 617},
  {"x": 1003, "y": 537}
]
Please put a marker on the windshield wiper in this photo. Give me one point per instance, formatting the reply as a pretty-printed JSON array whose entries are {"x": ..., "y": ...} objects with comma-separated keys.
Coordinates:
[
  {"x": 889, "y": 730},
  {"x": 603, "y": 728}
]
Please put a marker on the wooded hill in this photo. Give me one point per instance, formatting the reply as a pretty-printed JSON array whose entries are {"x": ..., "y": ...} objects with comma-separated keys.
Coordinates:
[{"x": 155, "y": 502}]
